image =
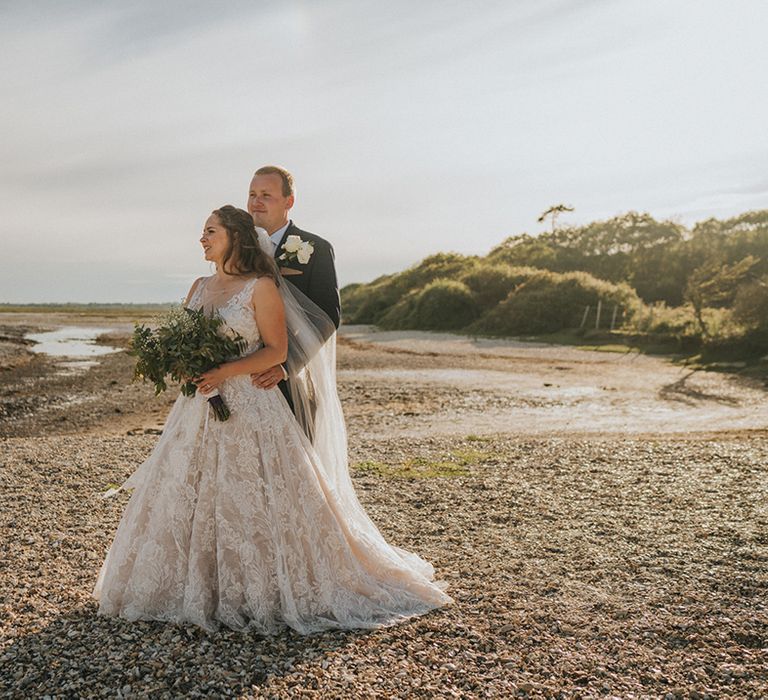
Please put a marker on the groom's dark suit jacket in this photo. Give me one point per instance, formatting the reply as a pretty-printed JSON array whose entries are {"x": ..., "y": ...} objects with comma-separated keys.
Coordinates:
[{"x": 316, "y": 279}]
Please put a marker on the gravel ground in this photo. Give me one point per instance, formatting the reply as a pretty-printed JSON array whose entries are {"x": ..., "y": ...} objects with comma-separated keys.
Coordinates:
[
  {"x": 632, "y": 568},
  {"x": 581, "y": 566}
]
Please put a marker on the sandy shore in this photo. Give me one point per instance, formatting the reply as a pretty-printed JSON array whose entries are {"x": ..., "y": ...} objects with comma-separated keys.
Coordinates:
[
  {"x": 442, "y": 384},
  {"x": 600, "y": 531}
]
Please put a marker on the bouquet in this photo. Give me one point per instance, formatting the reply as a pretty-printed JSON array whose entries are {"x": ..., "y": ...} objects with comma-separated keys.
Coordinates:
[{"x": 184, "y": 344}]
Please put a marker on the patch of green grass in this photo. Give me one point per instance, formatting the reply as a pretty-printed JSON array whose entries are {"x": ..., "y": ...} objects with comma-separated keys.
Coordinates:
[
  {"x": 670, "y": 346},
  {"x": 756, "y": 369},
  {"x": 371, "y": 466},
  {"x": 424, "y": 468},
  {"x": 454, "y": 463},
  {"x": 604, "y": 341},
  {"x": 477, "y": 438},
  {"x": 607, "y": 347},
  {"x": 469, "y": 456}
]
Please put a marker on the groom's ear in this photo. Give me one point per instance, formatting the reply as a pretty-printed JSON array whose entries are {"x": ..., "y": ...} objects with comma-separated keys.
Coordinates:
[{"x": 290, "y": 200}]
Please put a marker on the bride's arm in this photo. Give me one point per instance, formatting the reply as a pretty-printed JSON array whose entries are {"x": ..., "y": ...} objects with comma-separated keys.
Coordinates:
[{"x": 270, "y": 318}]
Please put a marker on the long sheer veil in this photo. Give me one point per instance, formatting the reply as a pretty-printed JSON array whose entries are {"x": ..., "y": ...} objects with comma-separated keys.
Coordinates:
[{"x": 311, "y": 367}]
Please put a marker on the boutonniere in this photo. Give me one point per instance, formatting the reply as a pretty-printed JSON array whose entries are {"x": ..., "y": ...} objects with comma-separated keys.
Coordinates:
[{"x": 296, "y": 250}]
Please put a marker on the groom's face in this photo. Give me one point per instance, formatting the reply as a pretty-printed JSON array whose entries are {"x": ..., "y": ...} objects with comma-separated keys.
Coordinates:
[{"x": 266, "y": 202}]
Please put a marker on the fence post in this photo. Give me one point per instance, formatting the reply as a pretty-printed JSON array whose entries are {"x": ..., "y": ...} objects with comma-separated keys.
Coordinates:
[
  {"x": 584, "y": 317},
  {"x": 597, "y": 317}
]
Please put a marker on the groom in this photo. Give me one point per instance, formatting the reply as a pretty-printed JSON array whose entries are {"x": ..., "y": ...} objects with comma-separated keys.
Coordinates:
[{"x": 310, "y": 268}]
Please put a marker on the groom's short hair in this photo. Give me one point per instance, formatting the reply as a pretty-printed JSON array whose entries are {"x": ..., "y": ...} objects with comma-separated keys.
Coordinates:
[{"x": 282, "y": 173}]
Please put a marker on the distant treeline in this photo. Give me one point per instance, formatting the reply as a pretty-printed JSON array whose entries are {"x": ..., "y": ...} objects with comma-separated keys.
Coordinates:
[
  {"x": 708, "y": 284},
  {"x": 86, "y": 308}
]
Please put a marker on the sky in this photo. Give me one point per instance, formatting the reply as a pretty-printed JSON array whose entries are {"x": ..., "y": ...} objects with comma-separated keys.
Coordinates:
[{"x": 410, "y": 127}]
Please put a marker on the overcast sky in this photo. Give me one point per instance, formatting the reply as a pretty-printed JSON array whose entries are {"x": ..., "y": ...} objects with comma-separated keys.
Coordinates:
[{"x": 410, "y": 126}]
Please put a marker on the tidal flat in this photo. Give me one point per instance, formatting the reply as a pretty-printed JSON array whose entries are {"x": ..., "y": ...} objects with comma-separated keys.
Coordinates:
[{"x": 600, "y": 520}]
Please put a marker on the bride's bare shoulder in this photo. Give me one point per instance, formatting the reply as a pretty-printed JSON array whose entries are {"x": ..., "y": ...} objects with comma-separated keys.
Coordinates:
[
  {"x": 262, "y": 283},
  {"x": 264, "y": 291},
  {"x": 192, "y": 289}
]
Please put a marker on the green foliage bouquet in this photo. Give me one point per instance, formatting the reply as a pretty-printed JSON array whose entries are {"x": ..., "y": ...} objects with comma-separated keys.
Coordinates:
[{"x": 184, "y": 344}]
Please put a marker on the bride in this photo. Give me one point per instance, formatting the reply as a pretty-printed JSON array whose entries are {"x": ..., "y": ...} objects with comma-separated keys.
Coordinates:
[{"x": 246, "y": 522}]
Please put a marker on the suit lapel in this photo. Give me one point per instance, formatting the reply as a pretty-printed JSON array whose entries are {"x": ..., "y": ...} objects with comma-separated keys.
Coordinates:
[
  {"x": 286, "y": 233},
  {"x": 295, "y": 275}
]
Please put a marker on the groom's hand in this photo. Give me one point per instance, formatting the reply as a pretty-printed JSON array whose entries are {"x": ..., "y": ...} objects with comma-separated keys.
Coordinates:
[{"x": 269, "y": 378}]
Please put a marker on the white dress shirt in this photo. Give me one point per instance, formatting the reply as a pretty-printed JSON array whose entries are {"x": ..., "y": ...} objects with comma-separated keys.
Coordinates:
[{"x": 277, "y": 235}]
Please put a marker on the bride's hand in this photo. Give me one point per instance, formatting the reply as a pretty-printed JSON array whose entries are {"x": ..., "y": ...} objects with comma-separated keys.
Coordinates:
[{"x": 212, "y": 379}]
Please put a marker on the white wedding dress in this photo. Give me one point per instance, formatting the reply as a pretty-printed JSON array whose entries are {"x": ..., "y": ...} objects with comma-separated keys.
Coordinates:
[{"x": 235, "y": 523}]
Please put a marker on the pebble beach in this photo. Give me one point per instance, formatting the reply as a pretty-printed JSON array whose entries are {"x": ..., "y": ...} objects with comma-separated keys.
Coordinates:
[{"x": 603, "y": 529}]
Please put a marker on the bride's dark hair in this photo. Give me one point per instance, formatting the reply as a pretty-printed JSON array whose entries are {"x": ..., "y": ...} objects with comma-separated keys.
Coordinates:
[{"x": 244, "y": 250}]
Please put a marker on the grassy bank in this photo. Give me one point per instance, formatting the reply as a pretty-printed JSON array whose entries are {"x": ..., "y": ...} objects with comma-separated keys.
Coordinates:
[
  {"x": 700, "y": 293},
  {"x": 686, "y": 350}
]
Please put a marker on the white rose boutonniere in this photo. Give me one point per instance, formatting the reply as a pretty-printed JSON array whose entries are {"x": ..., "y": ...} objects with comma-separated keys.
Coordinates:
[
  {"x": 292, "y": 244},
  {"x": 304, "y": 252},
  {"x": 296, "y": 250}
]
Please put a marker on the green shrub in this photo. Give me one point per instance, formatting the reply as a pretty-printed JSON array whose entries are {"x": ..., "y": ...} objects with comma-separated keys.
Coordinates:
[
  {"x": 667, "y": 320},
  {"x": 549, "y": 302},
  {"x": 750, "y": 306},
  {"x": 371, "y": 303},
  {"x": 445, "y": 305},
  {"x": 366, "y": 303},
  {"x": 492, "y": 283},
  {"x": 352, "y": 297},
  {"x": 402, "y": 315},
  {"x": 442, "y": 305}
]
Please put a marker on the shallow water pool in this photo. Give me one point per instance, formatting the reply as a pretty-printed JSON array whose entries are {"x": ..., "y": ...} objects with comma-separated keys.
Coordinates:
[{"x": 70, "y": 341}]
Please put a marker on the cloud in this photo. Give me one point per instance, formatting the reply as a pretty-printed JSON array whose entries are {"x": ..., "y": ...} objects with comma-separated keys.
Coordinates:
[{"x": 410, "y": 127}]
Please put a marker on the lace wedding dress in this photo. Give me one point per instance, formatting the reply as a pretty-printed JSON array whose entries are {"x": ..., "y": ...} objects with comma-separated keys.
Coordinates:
[{"x": 235, "y": 522}]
